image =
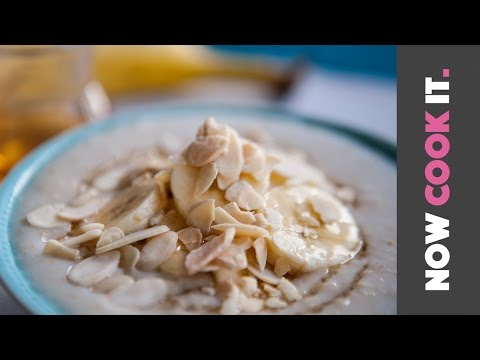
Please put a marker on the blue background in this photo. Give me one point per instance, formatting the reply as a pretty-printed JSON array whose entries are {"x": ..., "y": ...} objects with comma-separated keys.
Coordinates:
[{"x": 379, "y": 60}]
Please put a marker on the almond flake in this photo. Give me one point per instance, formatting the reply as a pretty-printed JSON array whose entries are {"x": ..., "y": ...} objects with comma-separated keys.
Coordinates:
[
  {"x": 245, "y": 217},
  {"x": 245, "y": 196},
  {"x": 201, "y": 257},
  {"x": 243, "y": 230},
  {"x": 282, "y": 266},
  {"x": 57, "y": 249},
  {"x": 133, "y": 238},
  {"x": 206, "y": 149},
  {"x": 274, "y": 218},
  {"x": 129, "y": 258},
  {"x": 157, "y": 250},
  {"x": 289, "y": 290},
  {"x": 223, "y": 217},
  {"x": 272, "y": 291},
  {"x": 94, "y": 269},
  {"x": 261, "y": 220},
  {"x": 206, "y": 177},
  {"x": 109, "y": 284},
  {"x": 230, "y": 163},
  {"x": 201, "y": 215},
  {"x": 260, "y": 246},
  {"x": 254, "y": 156},
  {"x": 190, "y": 237}
]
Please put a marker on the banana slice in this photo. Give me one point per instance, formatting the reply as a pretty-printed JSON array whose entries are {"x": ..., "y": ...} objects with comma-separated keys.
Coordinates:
[
  {"x": 131, "y": 208},
  {"x": 318, "y": 231}
]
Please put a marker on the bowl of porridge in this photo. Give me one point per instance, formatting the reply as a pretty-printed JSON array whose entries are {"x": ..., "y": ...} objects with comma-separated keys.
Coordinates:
[{"x": 203, "y": 210}]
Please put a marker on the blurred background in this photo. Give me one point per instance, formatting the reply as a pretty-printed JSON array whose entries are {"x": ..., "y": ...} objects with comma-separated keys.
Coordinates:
[{"x": 45, "y": 90}]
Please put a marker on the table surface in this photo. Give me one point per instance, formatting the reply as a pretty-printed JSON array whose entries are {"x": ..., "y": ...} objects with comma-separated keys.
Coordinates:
[{"x": 366, "y": 103}]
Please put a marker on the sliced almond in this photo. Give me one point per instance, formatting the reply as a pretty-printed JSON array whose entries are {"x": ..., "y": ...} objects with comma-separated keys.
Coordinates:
[
  {"x": 190, "y": 237},
  {"x": 271, "y": 291},
  {"x": 255, "y": 159},
  {"x": 260, "y": 184},
  {"x": 91, "y": 226},
  {"x": 289, "y": 290},
  {"x": 174, "y": 220},
  {"x": 266, "y": 275},
  {"x": 162, "y": 178},
  {"x": 110, "y": 235},
  {"x": 231, "y": 305},
  {"x": 129, "y": 258},
  {"x": 249, "y": 286},
  {"x": 206, "y": 149},
  {"x": 245, "y": 217},
  {"x": 223, "y": 217},
  {"x": 206, "y": 177},
  {"x": 250, "y": 305},
  {"x": 201, "y": 215},
  {"x": 157, "y": 250},
  {"x": 94, "y": 269},
  {"x": 230, "y": 163},
  {"x": 275, "y": 303},
  {"x": 243, "y": 230},
  {"x": 233, "y": 258},
  {"x": 57, "y": 249},
  {"x": 84, "y": 211},
  {"x": 282, "y": 267},
  {"x": 260, "y": 246},
  {"x": 201, "y": 257},
  {"x": 274, "y": 218},
  {"x": 82, "y": 239},
  {"x": 224, "y": 183},
  {"x": 183, "y": 185},
  {"x": 175, "y": 264},
  {"x": 211, "y": 127},
  {"x": 245, "y": 196},
  {"x": 142, "y": 294},
  {"x": 46, "y": 217},
  {"x": 261, "y": 221},
  {"x": 109, "y": 284},
  {"x": 133, "y": 238},
  {"x": 244, "y": 242}
]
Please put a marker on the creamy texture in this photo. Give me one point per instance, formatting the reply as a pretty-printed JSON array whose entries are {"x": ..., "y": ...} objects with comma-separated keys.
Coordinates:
[{"x": 372, "y": 272}]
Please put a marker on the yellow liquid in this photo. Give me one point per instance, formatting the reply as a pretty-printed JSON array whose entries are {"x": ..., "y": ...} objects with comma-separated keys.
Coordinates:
[
  {"x": 40, "y": 87},
  {"x": 23, "y": 131}
]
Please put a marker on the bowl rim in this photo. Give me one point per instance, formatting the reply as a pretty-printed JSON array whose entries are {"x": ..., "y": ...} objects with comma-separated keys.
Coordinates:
[{"x": 12, "y": 275}]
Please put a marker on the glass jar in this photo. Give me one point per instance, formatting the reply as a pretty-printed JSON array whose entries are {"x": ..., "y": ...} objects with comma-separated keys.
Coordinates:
[{"x": 43, "y": 91}]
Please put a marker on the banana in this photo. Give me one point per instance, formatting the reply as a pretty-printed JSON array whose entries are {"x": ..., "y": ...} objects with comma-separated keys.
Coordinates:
[
  {"x": 131, "y": 209},
  {"x": 126, "y": 68},
  {"x": 318, "y": 231}
]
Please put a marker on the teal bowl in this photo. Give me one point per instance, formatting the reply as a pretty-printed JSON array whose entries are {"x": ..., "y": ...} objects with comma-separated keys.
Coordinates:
[{"x": 13, "y": 273}]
